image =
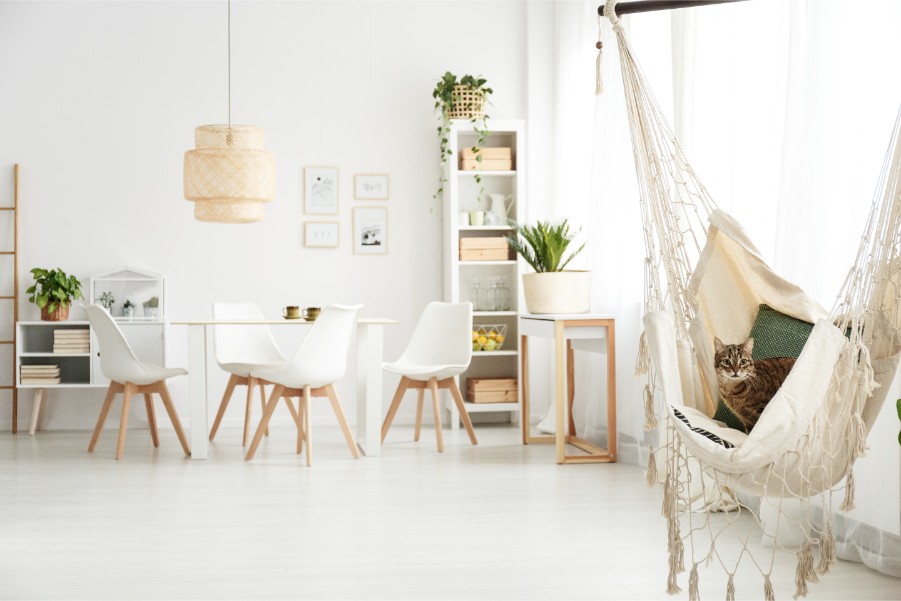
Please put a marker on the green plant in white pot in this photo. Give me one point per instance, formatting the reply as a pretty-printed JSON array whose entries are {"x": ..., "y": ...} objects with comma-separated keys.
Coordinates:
[
  {"x": 53, "y": 291},
  {"x": 552, "y": 288}
]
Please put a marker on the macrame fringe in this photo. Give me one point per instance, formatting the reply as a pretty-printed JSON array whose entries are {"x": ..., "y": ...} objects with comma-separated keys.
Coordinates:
[
  {"x": 848, "y": 502},
  {"x": 804, "y": 572},
  {"x": 672, "y": 586},
  {"x": 768, "y": 593},
  {"x": 827, "y": 548},
  {"x": 643, "y": 359},
  {"x": 730, "y": 589},
  {"x": 861, "y": 435},
  {"x": 650, "y": 417},
  {"x": 693, "y": 584},
  {"x": 650, "y": 476},
  {"x": 599, "y": 84}
]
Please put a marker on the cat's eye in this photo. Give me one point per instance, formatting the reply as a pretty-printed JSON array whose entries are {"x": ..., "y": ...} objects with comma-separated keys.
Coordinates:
[
  {"x": 744, "y": 361},
  {"x": 724, "y": 363}
]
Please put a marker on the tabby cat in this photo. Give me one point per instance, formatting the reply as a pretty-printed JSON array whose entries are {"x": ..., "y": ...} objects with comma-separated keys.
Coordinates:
[{"x": 746, "y": 386}]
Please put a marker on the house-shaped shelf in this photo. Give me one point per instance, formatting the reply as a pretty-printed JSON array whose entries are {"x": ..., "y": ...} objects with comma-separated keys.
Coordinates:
[{"x": 144, "y": 289}]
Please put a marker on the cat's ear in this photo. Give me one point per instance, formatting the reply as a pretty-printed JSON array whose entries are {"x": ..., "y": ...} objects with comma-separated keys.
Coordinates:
[
  {"x": 748, "y": 346},
  {"x": 718, "y": 345}
]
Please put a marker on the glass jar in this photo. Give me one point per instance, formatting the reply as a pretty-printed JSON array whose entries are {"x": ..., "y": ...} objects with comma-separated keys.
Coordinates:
[
  {"x": 486, "y": 297},
  {"x": 475, "y": 294},
  {"x": 502, "y": 295}
]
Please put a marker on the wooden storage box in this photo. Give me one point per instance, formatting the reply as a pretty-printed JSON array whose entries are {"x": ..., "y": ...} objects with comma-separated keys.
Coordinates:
[
  {"x": 491, "y": 390},
  {"x": 494, "y": 248},
  {"x": 493, "y": 159}
]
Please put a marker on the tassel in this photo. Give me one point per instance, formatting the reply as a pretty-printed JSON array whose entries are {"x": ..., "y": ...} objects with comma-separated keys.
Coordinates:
[
  {"x": 730, "y": 589},
  {"x": 768, "y": 593},
  {"x": 693, "y": 584},
  {"x": 848, "y": 503},
  {"x": 643, "y": 359},
  {"x": 598, "y": 83},
  {"x": 804, "y": 571},
  {"x": 650, "y": 417},
  {"x": 666, "y": 510},
  {"x": 827, "y": 548},
  {"x": 650, "y": 476},
  {"x": 672, "y": 587}
]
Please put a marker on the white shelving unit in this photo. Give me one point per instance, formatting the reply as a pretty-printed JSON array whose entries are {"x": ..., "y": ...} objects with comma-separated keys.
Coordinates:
[
  {"x": 146, "y": 334},
  {"x": 463, "y": 193}
]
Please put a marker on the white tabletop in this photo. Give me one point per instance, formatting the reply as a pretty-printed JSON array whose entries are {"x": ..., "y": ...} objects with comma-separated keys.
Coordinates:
[
  {"x": 566, "y": 316},
  {"x": 219, "y": 322}
]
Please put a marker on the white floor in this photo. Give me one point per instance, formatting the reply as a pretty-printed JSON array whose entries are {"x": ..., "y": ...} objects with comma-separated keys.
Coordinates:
[{"x": 497, "y": 521}]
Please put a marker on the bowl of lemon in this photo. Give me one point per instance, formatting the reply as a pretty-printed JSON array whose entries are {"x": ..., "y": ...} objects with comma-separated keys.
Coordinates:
[{"x": 488, "y": 337}]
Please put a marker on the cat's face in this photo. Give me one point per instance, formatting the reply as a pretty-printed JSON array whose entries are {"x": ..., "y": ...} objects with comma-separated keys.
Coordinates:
[{"x": 733, "y": 362}]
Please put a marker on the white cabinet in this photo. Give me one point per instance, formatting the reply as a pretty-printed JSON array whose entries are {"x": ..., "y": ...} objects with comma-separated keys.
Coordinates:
[{"x": 473, "y": 253}]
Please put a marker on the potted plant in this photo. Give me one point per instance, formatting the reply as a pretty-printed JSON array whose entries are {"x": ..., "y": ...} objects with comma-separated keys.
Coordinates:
[
  {"x": 462, "y": 98},
  {"x": 53, "y": 291},
  {"x": 151, "y": 307},
  {"x": 551, "y": 289},
  {"x": 128, "y": 309},
  {"x": 107, "y": 300}
]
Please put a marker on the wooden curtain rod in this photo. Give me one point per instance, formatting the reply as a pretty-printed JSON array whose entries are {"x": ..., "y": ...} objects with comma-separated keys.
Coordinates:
[{"x": 625, "y": 8}]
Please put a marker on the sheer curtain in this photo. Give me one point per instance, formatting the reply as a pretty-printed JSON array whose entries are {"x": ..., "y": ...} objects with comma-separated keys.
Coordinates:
[{"x": 784, "y": 110}]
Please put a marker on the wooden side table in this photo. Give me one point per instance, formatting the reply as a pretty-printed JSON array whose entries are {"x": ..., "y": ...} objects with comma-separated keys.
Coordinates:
[{"x": 591, "y": 332}]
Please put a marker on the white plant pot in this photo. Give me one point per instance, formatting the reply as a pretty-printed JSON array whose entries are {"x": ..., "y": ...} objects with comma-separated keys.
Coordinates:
[{"x": 557, "y": 291}]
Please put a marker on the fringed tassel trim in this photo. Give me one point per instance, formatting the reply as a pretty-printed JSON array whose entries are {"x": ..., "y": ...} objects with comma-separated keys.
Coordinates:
[
  {"x": 827, "y": 548},
  {"x": 650, "y": 416},
  {"x": 804, "y": 572},
  {"x": 650, "y": 476},
  {"x": 848, "y": 502},
  {"x": 768, "y": 593},
  {"x": 643, "y": 359},
  {"x": 693, "y": 594},
  {"x": 730, "y": 589},
  {"x": 860, "y": 432}
]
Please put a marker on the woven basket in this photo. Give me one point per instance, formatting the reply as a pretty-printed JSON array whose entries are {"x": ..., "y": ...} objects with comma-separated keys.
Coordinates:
[{"x": 466, "y": 103}]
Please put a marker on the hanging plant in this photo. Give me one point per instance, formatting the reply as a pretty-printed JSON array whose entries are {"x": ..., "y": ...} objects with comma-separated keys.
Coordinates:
[{"x": 460, "y": 99}]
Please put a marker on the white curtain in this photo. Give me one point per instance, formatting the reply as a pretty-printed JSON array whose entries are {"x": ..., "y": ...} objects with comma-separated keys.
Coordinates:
[{"x": 784, "y": 110}]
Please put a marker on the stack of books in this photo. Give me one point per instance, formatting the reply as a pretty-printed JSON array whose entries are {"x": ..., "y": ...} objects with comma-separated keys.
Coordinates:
[
  {"x": 39, "y": 374},
  {"x": 69, "y": 341}
]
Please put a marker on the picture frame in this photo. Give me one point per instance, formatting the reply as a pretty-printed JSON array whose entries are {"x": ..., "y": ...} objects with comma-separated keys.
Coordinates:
[
  {"x": 370, "y": 230},
  {"x": 320, "y": 190},
  {"x": 321, "y": 234},
  {"x": 371, "y": 186}
]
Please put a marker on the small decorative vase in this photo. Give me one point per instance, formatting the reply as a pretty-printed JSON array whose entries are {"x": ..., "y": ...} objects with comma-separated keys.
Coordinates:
[
  {"x": 61, "y": 313},
  {"x": 557, "y": 292},
  {"x": 128, "y": 312}
]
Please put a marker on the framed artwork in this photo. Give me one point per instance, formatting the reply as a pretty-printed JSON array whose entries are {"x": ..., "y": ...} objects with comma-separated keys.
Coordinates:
[
  {"x": 320, "y": 234},
  {"x": 370, "y": 230},
  {"x": 320, "y": 191},
  {"x": 371, "y": 186}
]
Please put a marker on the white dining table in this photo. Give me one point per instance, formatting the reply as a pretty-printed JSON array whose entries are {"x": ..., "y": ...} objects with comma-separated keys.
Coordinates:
[{"x": 369, "y": 352}]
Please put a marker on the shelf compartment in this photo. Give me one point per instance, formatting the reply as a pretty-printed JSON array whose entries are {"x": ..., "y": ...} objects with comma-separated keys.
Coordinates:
[{"x": 73, "y": 369}]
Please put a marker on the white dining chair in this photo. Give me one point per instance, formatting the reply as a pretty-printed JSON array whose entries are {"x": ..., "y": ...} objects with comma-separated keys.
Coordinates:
[
  {"x": 130, "y": 376},
  {"x": 320, "y": 361},
  {"x": 241, "y": 349},
  {"x": 439, "y": 350}
]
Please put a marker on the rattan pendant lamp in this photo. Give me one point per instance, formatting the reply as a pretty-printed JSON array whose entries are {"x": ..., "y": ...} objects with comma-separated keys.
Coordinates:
[{"x": 229, "y": 175}]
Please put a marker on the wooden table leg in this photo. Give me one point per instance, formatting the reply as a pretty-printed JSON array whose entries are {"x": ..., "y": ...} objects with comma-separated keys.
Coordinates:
[{"x": 559, "y": 392}]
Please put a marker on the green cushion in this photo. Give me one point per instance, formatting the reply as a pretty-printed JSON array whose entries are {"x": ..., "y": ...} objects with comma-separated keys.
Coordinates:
[{"x": 775, "y": 334}]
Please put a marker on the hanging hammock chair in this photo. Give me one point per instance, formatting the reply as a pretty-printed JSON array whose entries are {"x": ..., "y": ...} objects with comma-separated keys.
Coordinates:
[{"x": 705, "y": 278}]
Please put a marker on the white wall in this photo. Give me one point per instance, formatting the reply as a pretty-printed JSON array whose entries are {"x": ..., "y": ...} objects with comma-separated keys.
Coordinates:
[{"x": 100, "y": 101}]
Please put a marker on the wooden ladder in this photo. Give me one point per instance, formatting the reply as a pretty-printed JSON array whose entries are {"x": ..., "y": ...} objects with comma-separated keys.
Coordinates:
[{"x": 14, "y": 298}]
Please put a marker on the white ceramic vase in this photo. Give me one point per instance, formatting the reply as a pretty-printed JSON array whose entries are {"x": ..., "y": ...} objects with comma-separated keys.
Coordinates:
[{"x": 557, "y": 291}]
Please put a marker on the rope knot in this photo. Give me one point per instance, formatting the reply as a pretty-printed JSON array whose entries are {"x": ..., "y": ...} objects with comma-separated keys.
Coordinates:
[{"x": 610, "y": 12}]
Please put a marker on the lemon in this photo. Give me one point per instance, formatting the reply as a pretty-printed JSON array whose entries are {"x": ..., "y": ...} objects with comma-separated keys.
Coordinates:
[
  {"x": 483, "y": 340},
  {"x": 499, "y": 339}
]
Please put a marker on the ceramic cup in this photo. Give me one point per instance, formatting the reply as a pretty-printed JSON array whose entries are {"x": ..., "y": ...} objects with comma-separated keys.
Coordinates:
[
  {"x": 477, "y": 217},
  {"x": 310, "y": 313},
  {"x": 291, "y": 312}
]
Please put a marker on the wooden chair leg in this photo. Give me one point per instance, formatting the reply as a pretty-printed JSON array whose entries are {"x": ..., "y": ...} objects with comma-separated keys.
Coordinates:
[
  {"x": 436, "y": 405},
  {"x": 298, "y": 419},
  {"x": 420, "y": 397},
  {"x": 308, "y": 424},
  {"x": 123, "y": 421},
  {"x": 114, "y": 388},
  {"x": 395, "y": 403},
  {"x": 151, "y": 419},
  {"x": 458, "y": 400},
  {"x": 264, "y": 421},
  {"x": 342, "y": 420},
  {"x": 248, "y": 411},
  {"x": 262, "y": 398},
  {"x": 226, "y": 397},
  {"x": 295, "y": 415},
  {"x": 163, "y": 391}
]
